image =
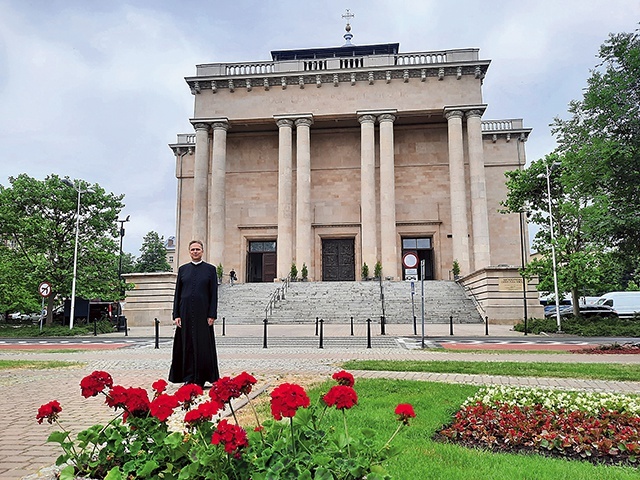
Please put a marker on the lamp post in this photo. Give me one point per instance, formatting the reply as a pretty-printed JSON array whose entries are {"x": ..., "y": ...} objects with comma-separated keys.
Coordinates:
[
  {"x": 549, "y": 169},
  {"x": 80, "y": 191},
  {"x": 524, "y": 280},
  {"x": 122, "y": 222}
]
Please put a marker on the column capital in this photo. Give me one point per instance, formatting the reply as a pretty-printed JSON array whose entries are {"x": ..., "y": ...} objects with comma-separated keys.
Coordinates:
[
  {"x": 201, "y": 126},
  {"x": 221, "y": 125},
  {"x": 386, "y": 117},
  {"x": 366, "y": 118},
  {"x": 304, "y": 122},
  {"x": 474, "y": 113},
  {"x": 453, "y": 114},
  {"x": 283, "y": 122}
]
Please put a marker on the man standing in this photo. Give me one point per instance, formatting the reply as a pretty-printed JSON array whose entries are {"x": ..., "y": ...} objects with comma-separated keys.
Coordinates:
[{"x": 195, "y": 308}]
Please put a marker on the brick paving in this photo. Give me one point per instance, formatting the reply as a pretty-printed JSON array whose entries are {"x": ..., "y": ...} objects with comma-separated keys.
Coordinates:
[{"x": 23, "y": 446}]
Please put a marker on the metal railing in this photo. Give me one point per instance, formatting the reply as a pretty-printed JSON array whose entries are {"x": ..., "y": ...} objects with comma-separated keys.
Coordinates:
[
  {"x": 473, "y": 298},
  {"x": 276, "y": 296}
]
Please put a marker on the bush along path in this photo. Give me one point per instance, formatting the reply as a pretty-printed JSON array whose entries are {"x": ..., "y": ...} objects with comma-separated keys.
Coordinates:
[{"x": 595, "y": 427}]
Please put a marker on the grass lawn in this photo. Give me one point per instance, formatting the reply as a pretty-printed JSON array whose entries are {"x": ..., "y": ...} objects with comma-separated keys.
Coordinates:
[
  {"x": 594, "y": 371},
  {"x": 36, "y": 364},
  {"x": 423, "y": 459}
]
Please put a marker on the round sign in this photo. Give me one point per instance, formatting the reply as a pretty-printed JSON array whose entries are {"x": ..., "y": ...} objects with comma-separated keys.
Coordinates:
[
  {"x": 44, "y": 289},
  {"x": 410, "y": 260}
]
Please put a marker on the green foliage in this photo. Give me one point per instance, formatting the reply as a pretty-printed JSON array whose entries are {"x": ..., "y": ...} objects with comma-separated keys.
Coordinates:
[
  {"x": 377, "y": 269},
  {"x": 304, "y": 272},
  {"x": 293, "y": 273},
  {"x": 220, "y": 272},
  {"x": 153, "y": 255},
  {"x": 365, "y": 271},
  {"x": 455, "y": 268},
  {"x": 38, "y": 218},
  {"x": 588, "y": 327},
  {"x": 29, "y": 331}
]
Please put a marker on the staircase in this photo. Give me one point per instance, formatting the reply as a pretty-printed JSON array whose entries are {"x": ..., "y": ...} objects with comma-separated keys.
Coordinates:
[{"x": 336, "y": 302}]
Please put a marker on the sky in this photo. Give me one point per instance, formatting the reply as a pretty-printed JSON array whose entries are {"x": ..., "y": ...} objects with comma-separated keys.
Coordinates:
[{"x": 95, "y": 90}]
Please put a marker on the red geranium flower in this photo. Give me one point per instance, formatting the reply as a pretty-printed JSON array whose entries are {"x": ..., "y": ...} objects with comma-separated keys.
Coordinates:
[
  {"x": 162, "y": 406},
  {"x": 49, "y": 411},
  {"x": 117, "y": 397},
  {"x": 286, "y": 399},
  {"x": 344, "y": 378},
  {"x": 95, "y": 383},
  {"x": 244, "y": 382},
  {"x": 204, "y": 412},
  {"x": 224, "y": 389},
  {"x": 159, "y": 386},
  {"x": 137, "y": 403},
  {"x": 404, "y": 412},
  {"x": 231, "y": 436},
  {"x": 186, "y": 394},
  {"x": 341, "y": 396}
]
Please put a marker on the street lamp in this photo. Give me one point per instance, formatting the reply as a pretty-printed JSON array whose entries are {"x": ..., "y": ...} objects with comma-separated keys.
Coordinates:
[
  {"x": 549, "y": 169},
  {"x": 122, "y": 222},
  {"x": 523, "y": 215},
  {"x": 80, "y": 191}
]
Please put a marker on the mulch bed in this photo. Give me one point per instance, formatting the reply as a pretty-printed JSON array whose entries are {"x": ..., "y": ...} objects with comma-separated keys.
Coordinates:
[{"x": 614, "y": 348}]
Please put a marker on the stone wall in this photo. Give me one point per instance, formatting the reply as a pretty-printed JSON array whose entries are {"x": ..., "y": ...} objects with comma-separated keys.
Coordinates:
[{"x": 151, "y": 298}]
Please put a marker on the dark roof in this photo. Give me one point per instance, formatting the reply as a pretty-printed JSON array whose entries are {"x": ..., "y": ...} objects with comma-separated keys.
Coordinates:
[{"x": 333, "y": 52}]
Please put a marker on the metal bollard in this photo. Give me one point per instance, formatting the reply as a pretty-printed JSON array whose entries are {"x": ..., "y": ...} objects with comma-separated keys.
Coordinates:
[
  {"x": 415, "y": 326},
  {"x": 368, "y": 333},
  {"x": 126, "y": 328},
  {"x": 95, "y": 327},
  {"x": 223, "y": 326},
  {"x": 321, "y": 332},
  {"x": 486, "y": 325},
  {"x": 352, "y": 326},
  {"x": 316, "y": 326},
  {"x": 264, "y": 335},
  {"x": 157, "y": 325},
  {"x": 382, "y": 330},
  {"x": 450, "y": 325}
]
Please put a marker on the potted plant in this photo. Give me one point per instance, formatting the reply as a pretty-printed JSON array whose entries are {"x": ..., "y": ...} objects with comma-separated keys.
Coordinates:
[
  {"x": 220, "y": 272},
  {"x": 304, "y": 272},
  {"x": 455, "y": 270},
  {"x": 365, "y": 271},
  {"x": 293, "y": 274},
  {"x": 377, "y": 270}
]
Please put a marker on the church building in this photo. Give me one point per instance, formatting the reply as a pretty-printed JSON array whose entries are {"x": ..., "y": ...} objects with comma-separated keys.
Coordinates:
[{"x": 333, "y": 158}]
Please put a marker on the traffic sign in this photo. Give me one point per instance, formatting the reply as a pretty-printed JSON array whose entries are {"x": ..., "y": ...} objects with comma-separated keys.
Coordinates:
[
  {"x": 44, "y": 289},
  {"x": 410, "y": 260}
]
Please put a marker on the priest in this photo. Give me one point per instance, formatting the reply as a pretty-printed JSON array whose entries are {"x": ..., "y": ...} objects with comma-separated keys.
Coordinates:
[{"x": 195, "y": 309}]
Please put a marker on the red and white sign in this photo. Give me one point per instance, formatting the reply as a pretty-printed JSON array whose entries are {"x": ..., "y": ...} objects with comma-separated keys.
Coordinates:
[
  {"x": 44, "y": 289},
  {"x": 410, "y": 260}
]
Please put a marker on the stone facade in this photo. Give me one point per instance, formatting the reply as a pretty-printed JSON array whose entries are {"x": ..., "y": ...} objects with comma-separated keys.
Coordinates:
[{"x": 359, "y": 154}]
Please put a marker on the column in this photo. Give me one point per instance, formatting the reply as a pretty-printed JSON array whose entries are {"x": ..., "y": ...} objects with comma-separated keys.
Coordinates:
[
  {"x": 217, "y": 211},
  {"x": 200, "y": 183},
  {"x": 388, "y": 250},
  {"x": 478, "y": 189},
  {"x": 303, "y": 195},
  {"x": 457, "y": 192},
  {"x": 368, "y": 191},
  {"x": 285, "y": 222}
]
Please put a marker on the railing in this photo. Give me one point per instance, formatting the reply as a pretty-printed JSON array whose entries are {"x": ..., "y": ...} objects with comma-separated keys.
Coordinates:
[
  {"x": 276, "y": 296},
  {"x": 473, "y": 298},
  {"x": 189, "y": 138},
  {"x": 501, "y": 125}
]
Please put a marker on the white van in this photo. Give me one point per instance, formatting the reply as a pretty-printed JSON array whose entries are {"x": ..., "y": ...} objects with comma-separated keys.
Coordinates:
[{"x": 625, "y": 304}]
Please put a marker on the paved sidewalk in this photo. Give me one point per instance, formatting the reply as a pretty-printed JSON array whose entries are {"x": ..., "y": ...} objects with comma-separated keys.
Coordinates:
[{"x": 23, "y": 447}]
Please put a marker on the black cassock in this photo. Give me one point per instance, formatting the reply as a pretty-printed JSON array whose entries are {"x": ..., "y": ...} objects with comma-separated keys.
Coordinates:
[{"x": 194, "y": 357}]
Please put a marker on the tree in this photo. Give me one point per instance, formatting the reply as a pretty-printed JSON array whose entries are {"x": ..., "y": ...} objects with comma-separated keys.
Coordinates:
[
  {"x": 38, "y": 224},
  {"x": 153, "y": 256}
]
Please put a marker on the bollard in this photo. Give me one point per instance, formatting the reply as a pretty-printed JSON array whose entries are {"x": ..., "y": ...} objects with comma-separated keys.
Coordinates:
[
  {"x": 157, "y": 325},
  {"x": 486, "y": 325},
  {"x": 451, "y": 325},
  {"x": 223, "y": 326},
  {"x": 95, "y": 327},
  {"x": 264, "y": 335},
  {"x": 126, "y": 332},
  {"x": 316, "y": 326},
  {"x": 352, "y": 326},
  {"x": 368, "y": 333},
  {"x": 415, "y": 326},
  {"x": 382, "y": 331},
  {"x": 321, "y": 332}
]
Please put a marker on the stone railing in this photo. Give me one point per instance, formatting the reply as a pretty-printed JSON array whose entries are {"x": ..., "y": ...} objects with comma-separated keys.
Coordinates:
[
  {"x": 501, "y": 125},
  {"x": 186, "y": 139},
  {"x": 337, "y": 63}
]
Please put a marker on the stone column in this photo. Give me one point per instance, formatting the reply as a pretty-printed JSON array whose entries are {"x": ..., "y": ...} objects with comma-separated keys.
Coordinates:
[
  {"x": 217, "y": 215},
  {"x": 368, "y": 191},
  {"x": 303, "y": 195},
  {"x": 285, "y": 222},
  {"x": 388, "y": 249},
  {"x": 200, "y": 183},
  {"x": 478, "y": 189},
  {"x": 457, "y": 191}
]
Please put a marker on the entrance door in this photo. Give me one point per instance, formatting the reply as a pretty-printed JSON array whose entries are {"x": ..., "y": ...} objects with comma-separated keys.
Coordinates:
[
  {"x": 338, "y": 260},
  {"x": 261, "y": 262},
  {"x": 422, "y": 247}
]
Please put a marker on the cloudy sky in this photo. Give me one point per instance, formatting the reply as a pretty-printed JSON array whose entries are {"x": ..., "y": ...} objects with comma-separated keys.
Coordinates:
[{"x": 95, "y": 90}]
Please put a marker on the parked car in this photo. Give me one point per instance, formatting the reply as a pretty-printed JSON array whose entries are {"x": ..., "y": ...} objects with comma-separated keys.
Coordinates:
[
  {"x": 625, "y": 304},
  {"x": 588, "y": 310}
]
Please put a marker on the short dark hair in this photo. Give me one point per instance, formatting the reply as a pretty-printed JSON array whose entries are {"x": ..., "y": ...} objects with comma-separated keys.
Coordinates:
[{"x": 196, "y": 241}]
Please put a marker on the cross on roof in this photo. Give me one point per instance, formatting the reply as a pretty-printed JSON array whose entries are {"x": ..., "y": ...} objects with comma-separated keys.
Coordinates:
[{"x": 348, "y": 15}]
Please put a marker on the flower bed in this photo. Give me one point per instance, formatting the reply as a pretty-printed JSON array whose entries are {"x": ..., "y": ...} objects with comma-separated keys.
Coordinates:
[
  {"x": 142, "y": 441},
  {"x": 612, "y": 348},
  {"x": 597, "y": 427}
]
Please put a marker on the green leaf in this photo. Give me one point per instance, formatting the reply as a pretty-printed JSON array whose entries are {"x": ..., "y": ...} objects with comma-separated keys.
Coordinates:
[
  {"x": 148, "y": 468},
  {"x": 58, "y": 437},
  {"x": 68, "y": 473},
  {"x": 114, "y": 474}
]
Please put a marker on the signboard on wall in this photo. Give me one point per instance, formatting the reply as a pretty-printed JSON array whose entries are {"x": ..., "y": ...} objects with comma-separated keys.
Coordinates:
[{"x": 510, "y": 284}]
